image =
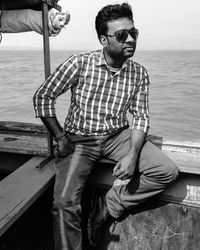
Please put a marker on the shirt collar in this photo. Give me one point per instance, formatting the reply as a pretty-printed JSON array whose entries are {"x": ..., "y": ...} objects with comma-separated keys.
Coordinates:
[{"x": 100, "y": 60}]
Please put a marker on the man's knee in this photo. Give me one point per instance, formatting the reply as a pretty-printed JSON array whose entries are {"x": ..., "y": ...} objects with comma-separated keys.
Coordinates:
[
  {"x": 169, "y": 172},
  {"x": 164, "y": 169},
  {"x": 174, "y": 171},
  {"x": 70, "y": 208}
]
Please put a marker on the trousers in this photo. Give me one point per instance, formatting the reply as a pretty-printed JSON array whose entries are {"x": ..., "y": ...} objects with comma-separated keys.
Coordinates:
[{"x": 154, "y": 172}]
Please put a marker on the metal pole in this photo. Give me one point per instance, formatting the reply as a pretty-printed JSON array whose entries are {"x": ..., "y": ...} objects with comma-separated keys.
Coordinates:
[
  {"x": 47, "y": 67},
  {"x": 47, "y": 70}
]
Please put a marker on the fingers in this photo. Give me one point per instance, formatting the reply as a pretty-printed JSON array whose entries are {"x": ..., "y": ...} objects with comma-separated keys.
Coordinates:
[
  {"x": 63, "y": 150},
  {"x": 122, "y": 176},
  {"x": 120, "y": 172},
  {"x": 116, "y": 168},
  {"x": 61, "y": 153}
]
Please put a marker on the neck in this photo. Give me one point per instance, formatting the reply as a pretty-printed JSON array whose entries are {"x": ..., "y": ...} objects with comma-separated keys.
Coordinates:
[{"x": 113, "y": 60}]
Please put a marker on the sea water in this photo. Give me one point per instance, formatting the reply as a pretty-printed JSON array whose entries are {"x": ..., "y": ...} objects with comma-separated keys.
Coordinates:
[{"x": 174, "y": 89}]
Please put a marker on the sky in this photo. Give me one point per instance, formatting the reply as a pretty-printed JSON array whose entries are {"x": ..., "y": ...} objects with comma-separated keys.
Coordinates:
[{"x": 162, "y": 24}]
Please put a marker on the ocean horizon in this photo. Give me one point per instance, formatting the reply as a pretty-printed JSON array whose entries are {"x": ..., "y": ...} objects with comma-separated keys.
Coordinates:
[{"x": 40, "y": 48}]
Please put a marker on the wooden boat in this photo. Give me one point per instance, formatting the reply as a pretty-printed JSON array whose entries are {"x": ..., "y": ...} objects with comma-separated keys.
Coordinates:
[{"x": 168, "y": 221}]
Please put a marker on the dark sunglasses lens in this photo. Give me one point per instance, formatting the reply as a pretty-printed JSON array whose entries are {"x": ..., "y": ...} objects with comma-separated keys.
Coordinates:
[
  {"x": 121, "y": 35},
  {"x": 134, "y": 33}
]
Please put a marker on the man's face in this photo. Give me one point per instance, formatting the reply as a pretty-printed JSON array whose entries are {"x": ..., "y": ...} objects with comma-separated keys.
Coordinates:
[{"x": 115, "y": 48}]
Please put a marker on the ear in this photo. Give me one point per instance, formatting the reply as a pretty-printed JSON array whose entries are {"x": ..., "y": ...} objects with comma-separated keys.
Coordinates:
[{"x": 104, "y": 41}]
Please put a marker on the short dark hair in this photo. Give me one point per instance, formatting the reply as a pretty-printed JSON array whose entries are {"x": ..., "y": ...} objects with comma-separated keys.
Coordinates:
[{"x": 109, "y": 13}]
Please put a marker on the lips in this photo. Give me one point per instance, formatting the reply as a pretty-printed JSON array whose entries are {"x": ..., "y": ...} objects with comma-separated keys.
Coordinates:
[{"x": 129, "y": 48}]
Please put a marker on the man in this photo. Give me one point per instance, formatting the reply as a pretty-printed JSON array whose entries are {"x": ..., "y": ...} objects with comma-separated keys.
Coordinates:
[{"x": 104, "y": 85}]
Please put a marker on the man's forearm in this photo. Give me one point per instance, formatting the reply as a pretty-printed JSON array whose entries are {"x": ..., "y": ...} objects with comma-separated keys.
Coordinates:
[
  {"x": 52, "y": 125},
  {"x": 137, "y": 141},
  {"x": 126, "y": 166}
]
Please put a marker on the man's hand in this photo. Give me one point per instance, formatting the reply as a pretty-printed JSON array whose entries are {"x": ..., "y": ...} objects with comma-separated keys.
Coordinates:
[
  {"x": 125, "y": 168},
  {"x": 64, "y": 147}
]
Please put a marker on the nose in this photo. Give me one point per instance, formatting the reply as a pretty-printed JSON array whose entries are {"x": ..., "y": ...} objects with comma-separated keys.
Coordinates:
[{"x": 130, "y": 39}]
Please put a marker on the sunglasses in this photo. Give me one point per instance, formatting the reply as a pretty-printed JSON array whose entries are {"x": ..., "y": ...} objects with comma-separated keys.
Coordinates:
[{"x": 121, "y": 35}]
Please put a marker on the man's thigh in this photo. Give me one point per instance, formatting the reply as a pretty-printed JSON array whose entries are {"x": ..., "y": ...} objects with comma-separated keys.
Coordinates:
[
  {"x": 117, "y": 145},
  {"x": 72, "y": 172},
  {"x": 150, "y": 157},
  {"x": 152, "y": 161}
]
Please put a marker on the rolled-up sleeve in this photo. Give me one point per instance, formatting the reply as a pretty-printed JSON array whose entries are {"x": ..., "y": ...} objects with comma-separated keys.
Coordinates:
[
  {"x": 139, "y": 106},
  {"x": 58, "y": 82}
]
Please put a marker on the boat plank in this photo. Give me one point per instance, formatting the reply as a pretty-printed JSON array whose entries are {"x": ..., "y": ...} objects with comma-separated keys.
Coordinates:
[
  {"x": 172, "y": 145},
  {"x": 23, "y": 144},
  {"x": 187, "y": 162},
  {"x": 19, "y": 190},
  {"x": 187, "y": 156},
  {"x": 22, "y": 127},
  {"x": 36, "y": 131}
]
